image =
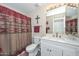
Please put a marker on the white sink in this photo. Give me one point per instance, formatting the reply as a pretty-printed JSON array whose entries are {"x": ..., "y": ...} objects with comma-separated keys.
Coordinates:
[
  {"x": 72, "y": 38},
  {"x": 64, "y": 39}
]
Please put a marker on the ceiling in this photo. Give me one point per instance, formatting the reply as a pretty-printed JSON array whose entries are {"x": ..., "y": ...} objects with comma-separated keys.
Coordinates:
[
  {"x": 24, "y": 7},
  {"x": 29, "y": 7}
]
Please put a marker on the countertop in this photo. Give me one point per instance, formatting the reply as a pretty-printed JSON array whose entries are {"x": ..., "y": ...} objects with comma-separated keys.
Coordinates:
[{"x": 63, "y": 40}]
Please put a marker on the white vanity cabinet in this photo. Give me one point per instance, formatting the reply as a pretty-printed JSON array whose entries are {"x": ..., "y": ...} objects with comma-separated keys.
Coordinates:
[
  {"x": 50, "y": 50},
  {"x": 69, "y": 52},
  {"x": 53, "y": 48}
]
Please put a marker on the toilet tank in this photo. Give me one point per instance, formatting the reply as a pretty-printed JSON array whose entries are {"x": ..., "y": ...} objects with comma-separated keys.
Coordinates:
[{"x": 36, "y": 40}]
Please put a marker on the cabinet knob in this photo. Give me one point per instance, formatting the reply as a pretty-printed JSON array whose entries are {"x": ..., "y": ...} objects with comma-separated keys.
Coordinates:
[
  {"x": 50, "y": 50},
  {"x": 47, "y": 49}
]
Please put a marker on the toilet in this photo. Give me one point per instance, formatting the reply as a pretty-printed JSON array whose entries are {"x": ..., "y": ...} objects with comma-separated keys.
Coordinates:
[{"x": 33, "y": 48}]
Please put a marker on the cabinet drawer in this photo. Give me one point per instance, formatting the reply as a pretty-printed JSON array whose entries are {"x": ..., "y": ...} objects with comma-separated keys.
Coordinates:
[{"x": 45, "y": 51}]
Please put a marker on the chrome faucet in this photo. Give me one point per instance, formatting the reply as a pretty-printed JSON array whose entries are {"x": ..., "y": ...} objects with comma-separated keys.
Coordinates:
[{"x": 56, "y": 34}]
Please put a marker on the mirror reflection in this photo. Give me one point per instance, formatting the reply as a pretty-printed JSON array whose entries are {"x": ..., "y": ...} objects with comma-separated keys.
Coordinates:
[{"x": 62, "y": 19}]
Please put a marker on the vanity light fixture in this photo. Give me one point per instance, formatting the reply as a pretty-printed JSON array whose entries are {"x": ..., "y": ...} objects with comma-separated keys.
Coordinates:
[{"x": 53, "y": 6}]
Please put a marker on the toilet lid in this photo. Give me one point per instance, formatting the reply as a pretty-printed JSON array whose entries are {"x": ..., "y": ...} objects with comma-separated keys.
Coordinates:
[{"x": 31, "y": 47}]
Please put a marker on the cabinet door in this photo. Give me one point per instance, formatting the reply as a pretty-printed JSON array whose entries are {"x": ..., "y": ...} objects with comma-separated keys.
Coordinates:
[
  {"x": 56, "y": 51},
  {"x": 45, "y": 50},
  {"x": 50, "y": 50},
  {"x": 69, "y": 52}
]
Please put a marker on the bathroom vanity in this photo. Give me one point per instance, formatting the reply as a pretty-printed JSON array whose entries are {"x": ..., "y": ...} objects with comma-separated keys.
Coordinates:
[
  {"x": 54, "y": 46},
  {"x": 58, "y": 21}
]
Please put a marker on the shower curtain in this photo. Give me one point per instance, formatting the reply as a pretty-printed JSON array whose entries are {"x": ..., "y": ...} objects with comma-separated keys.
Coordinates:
[{"x": 15, "y": 31}]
